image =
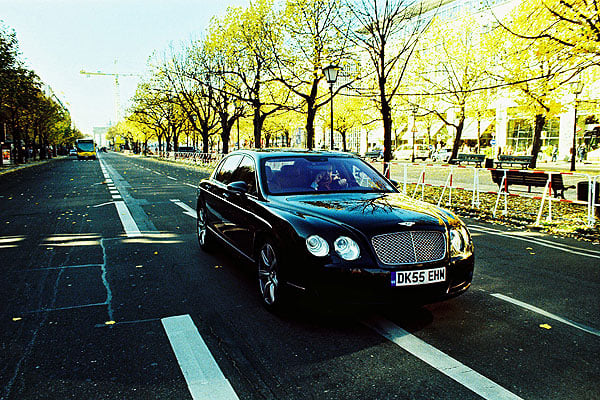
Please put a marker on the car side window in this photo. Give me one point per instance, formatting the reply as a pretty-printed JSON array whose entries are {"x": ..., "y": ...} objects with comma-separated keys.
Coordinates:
[
  {"x": 246, "y": 172},
  {"x": 227, "y": 169}
]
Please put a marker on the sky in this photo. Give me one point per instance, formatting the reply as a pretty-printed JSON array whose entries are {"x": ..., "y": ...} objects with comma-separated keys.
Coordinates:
[{"x": 59, "y": 38}]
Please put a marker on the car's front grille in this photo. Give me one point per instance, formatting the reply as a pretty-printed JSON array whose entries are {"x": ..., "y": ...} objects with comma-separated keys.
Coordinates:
[{"x": 410, "y": 247}]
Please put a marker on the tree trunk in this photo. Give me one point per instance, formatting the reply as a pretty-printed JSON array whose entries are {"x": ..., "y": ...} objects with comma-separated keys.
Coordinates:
[
  {"x": 310, "y": 124},
  {"x": 205, "y": 141},
  {"x": 540, "y": 120},
  {"x": 456, "y": 144},
  {"x": 257, "y": 123}
]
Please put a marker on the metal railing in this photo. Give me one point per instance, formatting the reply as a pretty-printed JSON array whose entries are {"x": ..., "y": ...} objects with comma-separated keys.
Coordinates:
[
  {"x": 203, "y": 159},
  {"x": 444, "y": 181}
]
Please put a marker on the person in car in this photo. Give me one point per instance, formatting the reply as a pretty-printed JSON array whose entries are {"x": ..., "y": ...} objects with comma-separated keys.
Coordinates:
[{"x": 326, "y": 180}]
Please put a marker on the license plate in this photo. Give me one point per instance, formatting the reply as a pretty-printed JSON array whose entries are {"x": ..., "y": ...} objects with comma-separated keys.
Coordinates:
[{"x": 419, "y": 277}]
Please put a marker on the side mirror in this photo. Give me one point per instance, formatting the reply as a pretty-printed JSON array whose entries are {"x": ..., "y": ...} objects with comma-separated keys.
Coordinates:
[{"x": 238, "y": 187}]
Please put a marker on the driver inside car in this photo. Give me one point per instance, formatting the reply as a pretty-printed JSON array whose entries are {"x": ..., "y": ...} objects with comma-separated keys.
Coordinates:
[{"x": 327, "y": 180}]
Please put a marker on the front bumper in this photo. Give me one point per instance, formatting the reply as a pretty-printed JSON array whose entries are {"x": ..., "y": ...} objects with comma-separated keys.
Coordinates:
[{"x": 344, "y": 284}]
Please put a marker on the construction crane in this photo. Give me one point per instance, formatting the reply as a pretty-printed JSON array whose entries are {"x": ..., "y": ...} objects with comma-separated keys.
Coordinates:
[{"x": 117, "y": 96}]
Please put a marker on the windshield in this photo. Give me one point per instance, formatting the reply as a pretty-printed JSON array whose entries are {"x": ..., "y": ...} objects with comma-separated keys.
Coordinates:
[
  {"x": 310, "y": 174},
  {"x": 85, "y": 146}
]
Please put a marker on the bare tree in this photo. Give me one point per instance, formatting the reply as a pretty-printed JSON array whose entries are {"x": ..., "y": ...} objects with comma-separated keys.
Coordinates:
[
  {"x": 388, "y": 32},
  {"x": 188, "y": 78},
  {"x": 313, "y": 39}
]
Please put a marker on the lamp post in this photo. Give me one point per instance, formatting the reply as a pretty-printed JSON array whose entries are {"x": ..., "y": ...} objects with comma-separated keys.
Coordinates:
[
  {"x": 415, "y": 109},
  {"x": 331, "y": 73},
  {"x": 236, "y": 104},
  {"x": 576, "y": 88}
]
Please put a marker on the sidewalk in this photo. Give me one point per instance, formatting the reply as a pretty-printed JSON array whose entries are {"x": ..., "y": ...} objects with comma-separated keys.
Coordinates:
[
  {"x": 586, "y": 167},
  {"x": 5, "y": 169}
]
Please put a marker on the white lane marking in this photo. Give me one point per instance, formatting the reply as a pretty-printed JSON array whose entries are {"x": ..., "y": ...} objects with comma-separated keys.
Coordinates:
[
  {"x": 131, "y": 229},
  {"x": 190, "y": 185},
  {"x": 188, "y": 210},
  {"x": 157, "y": 173},
  {"x": 538, "y": 241},
  {"x": 201, "y": 372},
  {"x": 170, "y": 177},
  {"x": 440, "y": 361},
  {"x": 535, "y": 309},
  {"x": 103, "y": 204}
]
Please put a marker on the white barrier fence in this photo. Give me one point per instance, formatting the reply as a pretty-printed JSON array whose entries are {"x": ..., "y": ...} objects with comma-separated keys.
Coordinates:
[
  {"x": 497, "y": 182},
  {"x": 450, "y": 178},
  {"x": 203, "y": 159}
]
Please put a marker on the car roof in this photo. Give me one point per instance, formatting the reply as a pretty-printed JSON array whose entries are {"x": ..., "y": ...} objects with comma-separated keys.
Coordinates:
[{"x": 268, "y": 153}]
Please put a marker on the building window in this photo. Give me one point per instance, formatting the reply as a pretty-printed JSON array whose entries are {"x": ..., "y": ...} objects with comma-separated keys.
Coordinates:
[{"x": 520, "y": 135}]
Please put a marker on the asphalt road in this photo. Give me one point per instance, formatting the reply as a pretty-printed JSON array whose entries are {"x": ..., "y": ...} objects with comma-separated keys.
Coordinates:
[{"x": 106, "y": 295}]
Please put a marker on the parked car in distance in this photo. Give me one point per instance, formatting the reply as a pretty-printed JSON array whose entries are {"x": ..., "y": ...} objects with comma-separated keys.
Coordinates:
[
  {"x": 405, "y": 152},
  {"x": 374, "y": 154},
  {"x": 186, "y": 149},
  {"x": 442, "y": 155},
  {"x": 73, "y": 152},
  {"x": 329, "y": 225}
]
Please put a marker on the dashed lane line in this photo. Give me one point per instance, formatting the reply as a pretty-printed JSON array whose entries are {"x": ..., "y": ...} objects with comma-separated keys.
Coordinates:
[
  {"x": 535, "y": 309},
  {"x": 204, "y": 378},
  {"x": 442, "y": 362},
  {"x": 129, "y": 225},
  {"x": 538, "y": 241},
  {"x": 187, "y": 209}
]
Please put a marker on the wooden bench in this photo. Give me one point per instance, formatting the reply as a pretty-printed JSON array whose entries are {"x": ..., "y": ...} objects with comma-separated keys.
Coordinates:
[
  {"x": 523, "y": 161},
  {"x": 477, "y": 159},
  {"x": 529, "y": 179}
]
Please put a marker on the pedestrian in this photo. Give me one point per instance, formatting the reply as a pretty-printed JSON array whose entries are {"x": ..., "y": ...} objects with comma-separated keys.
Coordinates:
[
  {"x": 554, "y": 153},
  {"x": 581, "y": 152}
]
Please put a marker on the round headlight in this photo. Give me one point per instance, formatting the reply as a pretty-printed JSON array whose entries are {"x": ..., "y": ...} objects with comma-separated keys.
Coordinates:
[
  {"x": 346, "y": 248},
  {"x": 457, "y": 241},
  {"x": 317, "y": 246}
]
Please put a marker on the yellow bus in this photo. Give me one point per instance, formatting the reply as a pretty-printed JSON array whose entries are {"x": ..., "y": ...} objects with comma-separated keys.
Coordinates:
[{"x": 85, "y": 149}]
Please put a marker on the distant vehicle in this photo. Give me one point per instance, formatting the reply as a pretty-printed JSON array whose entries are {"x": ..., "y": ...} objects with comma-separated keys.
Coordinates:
[
  {"x": 374, "y": 154},
  {"x": 85, "y": 149},
  {"x": 72, "y": 152},
  {"x": 405, "y": 152},
  {"x": 186, "y": 149},
  {"x": 442, "y": 155}
]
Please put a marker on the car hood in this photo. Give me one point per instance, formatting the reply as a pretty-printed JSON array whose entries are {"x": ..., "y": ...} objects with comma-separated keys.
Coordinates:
[{"x": 370, "y": 213}]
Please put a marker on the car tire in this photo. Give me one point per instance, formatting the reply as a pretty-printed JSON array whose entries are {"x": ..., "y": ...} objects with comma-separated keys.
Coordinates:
[
  {"x": 205, "y": 236},
  {"x": 270, "y": 286}
]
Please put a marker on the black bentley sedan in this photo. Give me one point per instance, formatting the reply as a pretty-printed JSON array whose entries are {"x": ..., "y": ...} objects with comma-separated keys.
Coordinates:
[{"x": 329, "y": 225}]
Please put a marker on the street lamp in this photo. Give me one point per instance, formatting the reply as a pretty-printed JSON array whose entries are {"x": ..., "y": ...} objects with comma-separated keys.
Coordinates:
[
  {"x": 237, "y": 105},
  {"x": 331, "y": 73},
  {"x": 415, "y": 109},
  {"x": 576, "y": 89}
]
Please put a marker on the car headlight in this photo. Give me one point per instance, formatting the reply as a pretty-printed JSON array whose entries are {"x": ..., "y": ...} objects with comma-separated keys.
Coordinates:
[
  {"x": 317, "y": 246},
  {"x": 346, "y": 248},
  {"x": 459, "y": 241}
]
